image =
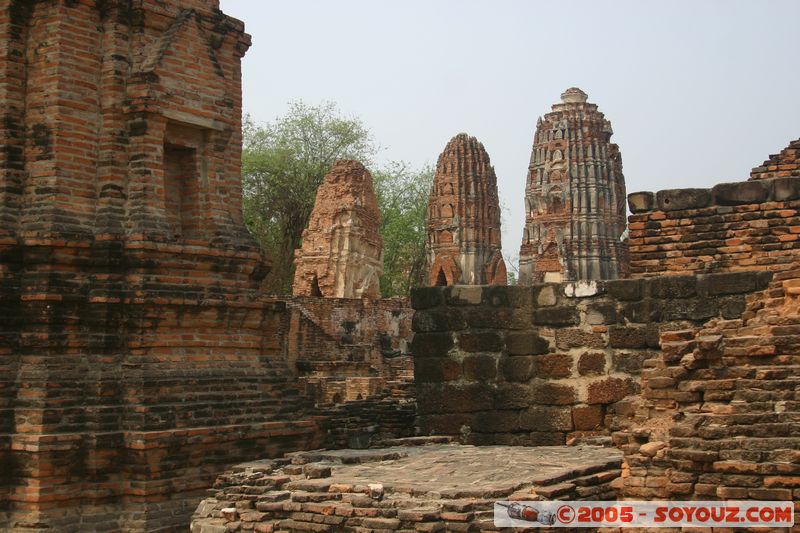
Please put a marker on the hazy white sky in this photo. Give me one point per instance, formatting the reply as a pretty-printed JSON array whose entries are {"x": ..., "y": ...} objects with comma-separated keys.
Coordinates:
[{"x": 698, "y": 92}]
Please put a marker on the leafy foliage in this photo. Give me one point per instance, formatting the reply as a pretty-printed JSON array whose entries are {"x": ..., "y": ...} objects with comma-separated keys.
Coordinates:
[{"x": 403, "y": 200}]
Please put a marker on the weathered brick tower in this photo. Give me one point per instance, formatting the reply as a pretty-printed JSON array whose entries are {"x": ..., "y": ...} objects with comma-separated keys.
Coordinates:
[
  {"x": 464, "y": 217},
  {"x": 136, "y": 359},
  {"x": 342, "y": 251},
  {"x": 574, "y": 197}
]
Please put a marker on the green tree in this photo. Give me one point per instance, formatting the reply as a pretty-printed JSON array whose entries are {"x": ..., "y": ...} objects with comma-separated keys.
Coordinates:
[
  {"x": 403, "y": 201},
  {"x": 283, "y": 164}
]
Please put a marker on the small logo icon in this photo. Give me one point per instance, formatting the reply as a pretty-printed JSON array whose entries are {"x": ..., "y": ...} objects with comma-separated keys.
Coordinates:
[
  {"x": 565, "y": 514},
  {"x": 528, "y": 513}
]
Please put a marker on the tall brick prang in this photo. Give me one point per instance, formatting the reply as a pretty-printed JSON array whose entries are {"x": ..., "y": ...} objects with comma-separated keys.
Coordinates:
[
  {"x": 464, "y": 217},
  {"x": 574, "y": 197},
  {"x": 342, "y": 251},
  {"x": 137, "y": 358}
]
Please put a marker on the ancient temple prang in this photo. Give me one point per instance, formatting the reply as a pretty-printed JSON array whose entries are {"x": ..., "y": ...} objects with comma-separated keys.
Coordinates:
[
  {"x": 342, "y": 251},
  {"x": 464, "y": 218},
  {"x": 574, "y": 197}
]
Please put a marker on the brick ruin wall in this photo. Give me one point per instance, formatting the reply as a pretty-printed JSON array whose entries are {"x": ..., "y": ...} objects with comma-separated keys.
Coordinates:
[
  {"x": 349, "y": 349},
  {"x": 541, "y": 365},
  {"x": 750, "y": 225},
  {"x": 718, "y": 414},
  {"x": 351, "y": 358}
]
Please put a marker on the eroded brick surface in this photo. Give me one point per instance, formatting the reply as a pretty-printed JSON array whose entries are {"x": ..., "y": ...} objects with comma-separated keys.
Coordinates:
[
  {"x": 574, "y": 197},
  {"x": 717, "y": 417},
  {"x": 342, "y": 251},
  {"x": 464, "y": 218}
]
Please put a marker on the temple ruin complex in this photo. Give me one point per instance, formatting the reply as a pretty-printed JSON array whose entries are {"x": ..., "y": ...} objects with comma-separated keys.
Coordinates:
[
  {"x": 574, "y": 197},
  {"x": 342, "y": 251},
  {"x": 147, "y": 384},
  {"x": 464, "y": 217}
]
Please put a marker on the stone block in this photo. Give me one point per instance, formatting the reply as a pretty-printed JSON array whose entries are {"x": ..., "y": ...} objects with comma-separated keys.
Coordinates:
[
  {"x": 513, "y": 396},
  {"x": 468, "y": 398},
  {"x": 432, "y": 344},
  {"x": 733, "y": 283},
  {"x": 786, "y": 189},
  {"x": 557, "y": 316},
  {"x": 499, "y": 296},
  {"x": 601, "y": 313},
  {"x": 642, "y": 312},
  {"x": 641, "y": 202},
  {"x": 496, "y": 421},
  {"x": 741, "y": 193},
  {"x": 583, "y": 289},
  {"x": 549, "y": 393},
  {"x": 609, "y": 390},
  {"x": 627, "y": 337},
  {"x": 427, "y": 297},
  {"x": 592, "y": 363},
  {"x": 546, "y": 295},
  {"x": 480, "y": 317},
  {"x": 526, "y": 343},
  {"x": 480, "y": 341},
  {"x": 567, "y": 338},
  {"x": 554, "y": 365},
  {"x": 732, "y": 307},
  {"x": 681, "y": 199},
  {"x": 624, "y": 289},
  {"x": 672, "y": 286},
  {"x": 463, "y": 295},
  {"x": 479, "y": 367},
  {"x": 631, "y": 362},
  {"x": 517, "y": 369},
  {"x": 438, "y": 319},
  {"x": 437, "y": 370},
  {"x": 543, "y": 418},
  {"x": 587, "y": 417}
]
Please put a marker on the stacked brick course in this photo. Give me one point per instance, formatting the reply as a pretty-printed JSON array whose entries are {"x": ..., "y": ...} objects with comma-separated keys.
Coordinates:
[
  {"x": 342, "y": 251},
  {"x": 718, "y": 414},
  {"x": 751, "y": 225},
  {"x": 464, "y": 217},
  {"x": 540, "y": 365},
  {"x": 574, "y": 197},
  {"x": 782, "y": 165}
]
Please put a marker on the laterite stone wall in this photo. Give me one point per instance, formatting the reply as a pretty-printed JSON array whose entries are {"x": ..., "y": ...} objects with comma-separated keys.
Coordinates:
[{"x": 543, "y": 364}]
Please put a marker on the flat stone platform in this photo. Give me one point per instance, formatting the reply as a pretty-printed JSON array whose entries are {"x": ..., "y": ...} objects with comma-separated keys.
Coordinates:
[{"x": 435, "y": 487}]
